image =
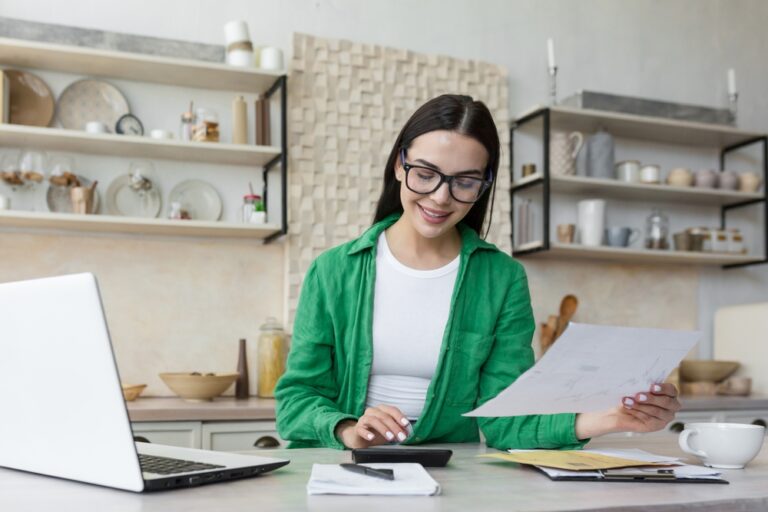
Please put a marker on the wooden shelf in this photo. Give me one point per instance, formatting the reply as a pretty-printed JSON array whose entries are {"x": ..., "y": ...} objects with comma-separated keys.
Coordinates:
[
  {"x": 131, "y": 146},
  {"x": 656, "y": 129},
  {"x": 638, "y": 191},
  {"x": 620, "y": 254},
  {"x": 135, "y": 66},
  {"x": 133, "y": 225}
]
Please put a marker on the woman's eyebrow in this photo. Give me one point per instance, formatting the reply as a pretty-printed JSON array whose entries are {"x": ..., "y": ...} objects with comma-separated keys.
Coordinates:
[{"x": 433, "y": 166}]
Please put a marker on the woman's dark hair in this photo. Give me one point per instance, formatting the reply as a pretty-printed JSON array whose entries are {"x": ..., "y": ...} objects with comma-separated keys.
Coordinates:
[{"x": 454, "y": 113}]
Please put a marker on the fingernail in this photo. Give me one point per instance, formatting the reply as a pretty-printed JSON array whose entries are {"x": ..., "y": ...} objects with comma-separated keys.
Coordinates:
[
  {"x": 629, "y": 402},
  {"x": 389, "y": 435},
  {"x": 642, "y": 397},
  {"x": 656, "y": 388},
  {"x": 401, "y": 436},
  {"x": 404, "y": 421},
  {"x": 369, "y": 437}
]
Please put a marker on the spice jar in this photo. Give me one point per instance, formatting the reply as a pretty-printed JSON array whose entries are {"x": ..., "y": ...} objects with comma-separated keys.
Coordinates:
[
  {"x": 206, "y": 128},
  {"x": 270, "y": 357},
  {"x": 720, "y": 241}
]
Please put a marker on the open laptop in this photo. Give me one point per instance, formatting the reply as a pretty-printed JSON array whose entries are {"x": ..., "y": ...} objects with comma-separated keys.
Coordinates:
[{"x": 62, "y": 404}]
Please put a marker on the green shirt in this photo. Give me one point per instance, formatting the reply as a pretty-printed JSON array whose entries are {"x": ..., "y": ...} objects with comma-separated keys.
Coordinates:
[{"x": 485, "y": 347}]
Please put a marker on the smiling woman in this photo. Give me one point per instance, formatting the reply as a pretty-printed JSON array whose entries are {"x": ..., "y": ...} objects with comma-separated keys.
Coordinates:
[{"x": 401, "y": 331}]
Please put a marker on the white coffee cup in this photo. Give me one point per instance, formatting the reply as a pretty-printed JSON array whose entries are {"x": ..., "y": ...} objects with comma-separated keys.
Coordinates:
[
  {"x": 591, "y": 222},
  {"x": 722, "y": 445},
  {"x": 271, "y": 58},
  {"x": 96, "y": 127}
]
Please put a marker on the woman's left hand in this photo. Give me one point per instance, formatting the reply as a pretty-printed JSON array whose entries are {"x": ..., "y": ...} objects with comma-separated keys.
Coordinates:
[{"x": 644, "y": 412}]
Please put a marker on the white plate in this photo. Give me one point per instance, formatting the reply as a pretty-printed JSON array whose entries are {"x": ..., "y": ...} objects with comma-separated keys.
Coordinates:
[
  {"x": 198, "y": 198},
  {"x": 123, "y": 200},
  {"x": 90, "y": 100},
  {"x": 58, "y": 198}
]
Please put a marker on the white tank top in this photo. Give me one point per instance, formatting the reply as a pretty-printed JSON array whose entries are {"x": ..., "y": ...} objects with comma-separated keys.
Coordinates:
[{"x": 410, "y": 310}]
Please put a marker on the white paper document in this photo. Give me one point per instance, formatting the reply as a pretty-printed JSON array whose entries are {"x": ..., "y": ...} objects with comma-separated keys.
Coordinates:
[
  {"x": 590, "y": 368},
  {"x": 410, "y": 479}
]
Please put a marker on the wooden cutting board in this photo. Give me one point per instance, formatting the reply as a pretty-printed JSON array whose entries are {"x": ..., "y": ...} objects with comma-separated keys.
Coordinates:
[{"x": 741, "y": 334}]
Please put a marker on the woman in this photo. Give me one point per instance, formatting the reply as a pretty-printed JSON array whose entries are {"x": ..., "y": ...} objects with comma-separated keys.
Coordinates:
[{"x": 401, "y": 331}]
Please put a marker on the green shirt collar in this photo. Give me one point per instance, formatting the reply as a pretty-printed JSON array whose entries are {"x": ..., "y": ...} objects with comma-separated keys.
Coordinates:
[{"x": 470, "y": 241}]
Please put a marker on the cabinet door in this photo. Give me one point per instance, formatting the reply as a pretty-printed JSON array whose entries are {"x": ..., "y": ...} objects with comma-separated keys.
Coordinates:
[
  {"x": 173, "y": 433},
  {"x": 238, "y": 436}
]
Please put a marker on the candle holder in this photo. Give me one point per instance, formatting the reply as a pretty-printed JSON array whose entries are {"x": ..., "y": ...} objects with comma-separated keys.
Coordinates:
[
  {"x": 733, "y": 105},
  {"x": 553, "y": 85}
]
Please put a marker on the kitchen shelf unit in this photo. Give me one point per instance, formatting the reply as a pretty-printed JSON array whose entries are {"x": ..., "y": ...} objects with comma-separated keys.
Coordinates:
[
  {"x": 727, "y": 139},
  {"x": 159, "y": 70}
]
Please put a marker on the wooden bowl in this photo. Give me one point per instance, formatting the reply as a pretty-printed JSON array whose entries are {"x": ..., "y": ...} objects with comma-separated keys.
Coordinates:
[
  {"x": 132, "y": 391},
  {"x": 196, "y": 387},
  {"x": 706, "y": 370}
]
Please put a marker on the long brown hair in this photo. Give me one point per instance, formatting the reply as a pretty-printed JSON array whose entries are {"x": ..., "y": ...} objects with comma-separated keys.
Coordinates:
[{"x": 450, "y": 112}]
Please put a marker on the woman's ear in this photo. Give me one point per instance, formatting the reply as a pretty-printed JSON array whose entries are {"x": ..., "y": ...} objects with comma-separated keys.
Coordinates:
[{"x": 399, "y": 172}]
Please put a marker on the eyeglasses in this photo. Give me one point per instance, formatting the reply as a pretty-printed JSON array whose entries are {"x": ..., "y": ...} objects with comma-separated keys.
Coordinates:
[{"x": 425, "y": 180}]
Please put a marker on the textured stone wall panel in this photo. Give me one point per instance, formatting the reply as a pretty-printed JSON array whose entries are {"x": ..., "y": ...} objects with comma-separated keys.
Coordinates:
[{"x": 348, "y": 102}]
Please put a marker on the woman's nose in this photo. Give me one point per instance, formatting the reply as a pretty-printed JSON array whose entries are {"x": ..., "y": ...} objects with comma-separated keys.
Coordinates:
[{"x": 442, "y": 195}]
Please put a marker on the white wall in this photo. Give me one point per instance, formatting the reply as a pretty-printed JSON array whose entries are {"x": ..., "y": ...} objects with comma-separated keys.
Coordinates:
[{"x": 676, "y": 50}]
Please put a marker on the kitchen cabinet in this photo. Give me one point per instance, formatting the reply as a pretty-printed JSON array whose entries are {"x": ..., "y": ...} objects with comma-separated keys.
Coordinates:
[
  {"x": 154, "y": 70},
  {"x": 540, "y": 123},
  {"x": 225, "y": 436}
]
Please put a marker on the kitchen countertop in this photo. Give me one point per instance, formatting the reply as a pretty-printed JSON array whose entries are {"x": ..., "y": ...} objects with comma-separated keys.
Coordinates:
[
  {"x": 468, "y": 483},
  {"x": 219, "y": 409},
  {"x": 255, "y": 409}
]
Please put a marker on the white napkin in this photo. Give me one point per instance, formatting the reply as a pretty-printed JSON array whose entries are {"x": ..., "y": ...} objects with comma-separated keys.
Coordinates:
[{"x": 410, "y": 479}]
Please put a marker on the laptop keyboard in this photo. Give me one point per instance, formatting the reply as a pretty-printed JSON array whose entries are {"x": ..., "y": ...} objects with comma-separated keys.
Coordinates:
[{"x": 169, "y": 466}]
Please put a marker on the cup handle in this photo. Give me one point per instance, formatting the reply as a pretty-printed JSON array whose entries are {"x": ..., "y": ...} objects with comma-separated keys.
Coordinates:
[
  {"x": 683, "y": 442},
  {"x": 634, "y": 236},
  {"x": 579, "y": 138}
]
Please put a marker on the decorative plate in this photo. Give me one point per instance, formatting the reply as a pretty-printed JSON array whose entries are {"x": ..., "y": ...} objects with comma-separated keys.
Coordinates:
[
  {"x": 90, "y": 100},
  {"x": 124, "y": 200},
  {"x": 198, "y": 198},
  {"x": 31, "y": 101}
]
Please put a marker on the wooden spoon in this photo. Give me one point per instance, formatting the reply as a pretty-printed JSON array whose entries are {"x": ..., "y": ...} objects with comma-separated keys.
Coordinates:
[
  {"x": 548, "y": 333},
  {"x": 567, "y": 309}
]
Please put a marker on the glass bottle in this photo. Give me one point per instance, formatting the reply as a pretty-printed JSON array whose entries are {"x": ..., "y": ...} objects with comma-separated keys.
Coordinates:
[
  {"x": 241, "y": 384},
  {"x": 657, "y": 230},
  {"x": 271, "y": 357},
  {"x": 187, "y": 126}
]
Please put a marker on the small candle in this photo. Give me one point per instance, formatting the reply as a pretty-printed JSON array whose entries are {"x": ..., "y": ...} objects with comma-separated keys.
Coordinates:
[
  {"x": 731, "y": 81},
  {"x": 551, "y": 53}
]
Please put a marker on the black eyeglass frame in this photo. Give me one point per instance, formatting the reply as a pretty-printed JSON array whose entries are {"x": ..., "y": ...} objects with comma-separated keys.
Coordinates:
[{"x": 485, "y": 184}]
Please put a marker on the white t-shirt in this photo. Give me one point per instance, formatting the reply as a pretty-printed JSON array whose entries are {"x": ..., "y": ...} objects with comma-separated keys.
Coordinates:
[{"x": 410, "y": 311}]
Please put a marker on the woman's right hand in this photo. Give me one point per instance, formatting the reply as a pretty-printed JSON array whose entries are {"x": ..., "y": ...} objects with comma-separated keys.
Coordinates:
[{"x": 378, "y": 425}]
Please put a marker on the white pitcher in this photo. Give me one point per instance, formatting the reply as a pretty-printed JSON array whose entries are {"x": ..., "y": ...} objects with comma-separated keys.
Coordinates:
[
  {"x": 563, "y": 148},
  {"x": 591, "y": 222}
]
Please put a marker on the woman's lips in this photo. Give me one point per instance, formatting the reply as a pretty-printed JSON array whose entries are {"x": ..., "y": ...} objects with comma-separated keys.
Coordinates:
[{"x": 433, "y": 216}]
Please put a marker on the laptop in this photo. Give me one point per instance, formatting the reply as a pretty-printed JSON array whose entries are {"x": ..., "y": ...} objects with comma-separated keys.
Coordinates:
[{"x": 62, "y": 403}]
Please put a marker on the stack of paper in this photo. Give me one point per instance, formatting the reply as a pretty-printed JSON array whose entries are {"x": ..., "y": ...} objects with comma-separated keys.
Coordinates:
[
  {"x": 609, "y": 464},
  {"x": 410, "y": 479}
]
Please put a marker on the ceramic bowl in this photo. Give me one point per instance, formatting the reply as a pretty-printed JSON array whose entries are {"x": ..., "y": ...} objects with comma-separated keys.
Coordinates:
[
  {"x": 680, "y": 177},
  {"x": 132, "y": 391},
  {"x": 707, "y": 370},
  {"x": 197, "y": 387}
]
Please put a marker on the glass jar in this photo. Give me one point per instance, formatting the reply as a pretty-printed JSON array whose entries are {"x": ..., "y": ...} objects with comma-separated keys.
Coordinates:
[
  {"x": 249, "y": 206},
  {"x": 657, "y": 230},
  {"x": 270, "y": 357},
  {"x": 187, "y": 125},
  {"x": 206, "y": 127},
  {"x": 735, "y": 241},
  {"x": 720, "y": 241}
]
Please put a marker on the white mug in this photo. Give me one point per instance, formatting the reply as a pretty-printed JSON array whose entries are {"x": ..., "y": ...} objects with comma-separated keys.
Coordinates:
[
  {"x": 591, "y": 222},
  {"x": 271, "y": 58},
  {"x": 722, "y": 445},
  {"x": 96, "y": 127}
]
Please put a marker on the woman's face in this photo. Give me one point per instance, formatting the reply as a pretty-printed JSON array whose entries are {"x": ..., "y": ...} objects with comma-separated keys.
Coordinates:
[{"x": 435, "y": 214}]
